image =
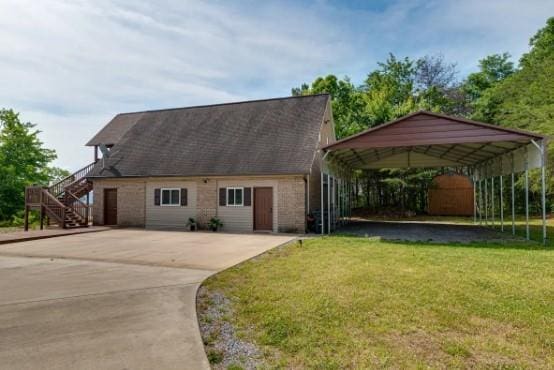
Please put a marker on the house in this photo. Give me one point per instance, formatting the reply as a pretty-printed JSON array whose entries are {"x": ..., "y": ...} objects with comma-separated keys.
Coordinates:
[{"x": 255, "y": 165}]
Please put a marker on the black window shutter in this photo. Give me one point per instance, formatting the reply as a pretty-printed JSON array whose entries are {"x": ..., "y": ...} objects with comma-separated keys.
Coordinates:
[
  {"x": 184, "y": 197},
  {"x": 222, "y": 196},
  {"x": 247, "y": 197},
  {"x": 156, "y": 197}
]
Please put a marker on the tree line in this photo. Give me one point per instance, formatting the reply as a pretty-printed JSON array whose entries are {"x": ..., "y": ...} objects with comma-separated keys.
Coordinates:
[
  {"x": 23, "y": 161},
  {"x": 500, "y": 92}
]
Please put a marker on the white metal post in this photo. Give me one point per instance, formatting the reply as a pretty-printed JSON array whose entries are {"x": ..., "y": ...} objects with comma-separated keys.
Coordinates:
[
  {"x": 501, "y": 203},
  {"x": 474, "y": 199},
  {"x": 527, "y": 234},
  {"x": 342, "y": 205},
  {"x": 492, "y": 200},
  {"x": 480, "y": 200},
  {"x": 486, "y": 204},
  {"x": 513, "y": 199},
  {"x": 329, "y": 181},
  {"x": 322, "y": 208},
  {"x": 543, "y": 190},
  {"x": 337, "y": 203},
  {"x": 332, "y": 204}
]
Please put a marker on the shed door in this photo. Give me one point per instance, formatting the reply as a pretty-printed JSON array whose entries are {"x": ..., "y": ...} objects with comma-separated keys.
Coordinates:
[
  {"x": 263, "y": 209},
  {"x": 110, "y": 206}
]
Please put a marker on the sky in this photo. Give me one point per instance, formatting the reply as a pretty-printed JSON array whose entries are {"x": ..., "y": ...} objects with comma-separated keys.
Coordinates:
[{"x": 70, "y": 66}]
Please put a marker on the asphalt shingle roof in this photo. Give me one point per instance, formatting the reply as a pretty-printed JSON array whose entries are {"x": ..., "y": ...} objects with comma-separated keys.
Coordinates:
[{"x": 263, "y": 137}]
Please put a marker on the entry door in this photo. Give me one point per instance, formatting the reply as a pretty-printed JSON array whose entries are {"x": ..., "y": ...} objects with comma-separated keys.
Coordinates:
[
  {"x": 110, "y": 206},
  {"x": 263, "y": 209}
]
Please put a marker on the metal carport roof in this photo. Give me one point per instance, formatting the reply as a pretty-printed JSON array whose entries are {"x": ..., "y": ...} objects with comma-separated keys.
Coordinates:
[{"x": 427, "y": 139}]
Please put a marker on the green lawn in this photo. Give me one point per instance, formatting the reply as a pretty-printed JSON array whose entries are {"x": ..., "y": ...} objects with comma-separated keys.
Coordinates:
[
  {"x": 349, "y": 302},
  {"x": 535, "y": 224}
]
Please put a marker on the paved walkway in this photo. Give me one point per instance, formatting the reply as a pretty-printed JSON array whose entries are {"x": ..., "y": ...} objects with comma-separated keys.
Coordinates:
[
  {"x": 20, "y": 235},
  {"x": 112, "y": 300}
]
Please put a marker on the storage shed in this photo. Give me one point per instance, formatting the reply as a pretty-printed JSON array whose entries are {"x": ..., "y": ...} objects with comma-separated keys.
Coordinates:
[{"x": 451, "y": 195}]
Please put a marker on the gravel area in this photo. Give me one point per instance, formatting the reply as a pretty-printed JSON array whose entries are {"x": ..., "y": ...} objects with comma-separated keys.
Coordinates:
[
  {"x": 223, "y": 347},
  {"x": 425, "y": 231}
]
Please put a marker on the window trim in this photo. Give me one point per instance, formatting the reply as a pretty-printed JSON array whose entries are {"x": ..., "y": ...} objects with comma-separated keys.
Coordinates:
[
  {"x": 162, "y": 204},
  {"x": 234, "y": 188}
]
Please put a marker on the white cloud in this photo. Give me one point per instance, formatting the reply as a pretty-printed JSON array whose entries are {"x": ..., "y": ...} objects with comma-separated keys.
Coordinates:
[{"x": 71, "y": 65}]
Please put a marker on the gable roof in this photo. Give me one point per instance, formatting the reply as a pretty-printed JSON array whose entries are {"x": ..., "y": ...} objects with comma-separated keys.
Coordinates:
[
  {"x": 428, "y": 139},
  {"x": 482, "y": 131},
  {"x": 261, "y": 137}
]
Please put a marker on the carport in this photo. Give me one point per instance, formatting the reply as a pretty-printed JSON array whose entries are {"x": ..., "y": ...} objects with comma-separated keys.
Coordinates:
[{"x": 488, "y": 153}]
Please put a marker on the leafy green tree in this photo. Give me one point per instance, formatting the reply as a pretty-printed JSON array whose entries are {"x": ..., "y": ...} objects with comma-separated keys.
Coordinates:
[
  {"x": 525, "y": 99},
  {"x": 492, "y": 69},
  {"x": 498, "y": 93},
  {"x": 23, "y": 162},
  {"x": 398, "y": 86},
  {"x": 347, "y": 103},
  {"x": 389, "y": 90}
]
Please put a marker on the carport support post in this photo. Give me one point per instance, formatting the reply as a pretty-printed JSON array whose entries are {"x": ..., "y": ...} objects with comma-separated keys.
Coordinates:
[
  {"x": 341, "y": 205},
  {"x": 486, "y": 203},
  {"x": 543, "y": 189},
  {"x": 527, "y": 236},
  {"x": 492, "y": 200},
  {"x": 480, "y": 199},
  {"x": 513, "y": 199},
  {"x": 474, "y": 199},
  {"x": 329, "y": 208},
  {"x": 501, "y": 204},
  {"x": 322, "y": 208}
]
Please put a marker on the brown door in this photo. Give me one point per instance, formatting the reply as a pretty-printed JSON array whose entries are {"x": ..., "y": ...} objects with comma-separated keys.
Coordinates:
[
  {"x": 110, "y": 206},
  {"x": 263, "y": 209}
]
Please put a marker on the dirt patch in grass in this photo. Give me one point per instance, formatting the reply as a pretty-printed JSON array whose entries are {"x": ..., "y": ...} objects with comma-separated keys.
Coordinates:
[{"x": 223, "y": 347}]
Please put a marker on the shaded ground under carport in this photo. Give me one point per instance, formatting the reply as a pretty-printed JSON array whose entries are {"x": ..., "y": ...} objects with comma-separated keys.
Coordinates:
[{"x": 424, "y": 231}]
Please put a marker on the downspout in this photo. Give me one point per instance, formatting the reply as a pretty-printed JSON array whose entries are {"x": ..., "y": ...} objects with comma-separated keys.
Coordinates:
[{"x": 322, "y": 187}]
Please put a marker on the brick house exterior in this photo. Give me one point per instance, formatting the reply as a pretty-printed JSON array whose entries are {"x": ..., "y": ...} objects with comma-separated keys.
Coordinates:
[{"x": 283, "y": 157}]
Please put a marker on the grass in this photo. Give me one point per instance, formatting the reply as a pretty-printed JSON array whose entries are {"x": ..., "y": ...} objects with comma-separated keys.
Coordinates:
[
  {"x": 535, "y": 224},
  {"x": 351, "y": 302}
]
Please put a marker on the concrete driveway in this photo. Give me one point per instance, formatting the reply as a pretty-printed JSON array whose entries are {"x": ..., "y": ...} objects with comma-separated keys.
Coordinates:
[{"x": 118, "y": 299}]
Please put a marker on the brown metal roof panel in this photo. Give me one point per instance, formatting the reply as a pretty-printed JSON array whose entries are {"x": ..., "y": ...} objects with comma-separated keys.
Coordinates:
[
  {"x": 426, "y": 119},
  {"x": 401, "y": 142}
]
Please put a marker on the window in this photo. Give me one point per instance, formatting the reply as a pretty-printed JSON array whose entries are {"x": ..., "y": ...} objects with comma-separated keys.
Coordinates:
[
  {"x": 171, "y": 197},
  {"x": 235, "y": 196}
]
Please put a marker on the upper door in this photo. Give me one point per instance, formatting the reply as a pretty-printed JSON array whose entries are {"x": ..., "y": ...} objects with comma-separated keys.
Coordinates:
[
  {"x": 110, "y": 206},
  {"x": 263, "y": 209}
]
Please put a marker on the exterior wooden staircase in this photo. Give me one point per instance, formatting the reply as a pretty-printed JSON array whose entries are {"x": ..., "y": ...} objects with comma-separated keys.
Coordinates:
[{"x": 61, "y": 202}]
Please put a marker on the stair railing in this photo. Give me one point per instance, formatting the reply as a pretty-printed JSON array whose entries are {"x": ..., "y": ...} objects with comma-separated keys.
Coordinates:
[
  {"x": 59, "y": 187},
  {"x": 33, "y": 195},
  {"x": 79, "y": 207},
  {"x": 53, "y": 207}
]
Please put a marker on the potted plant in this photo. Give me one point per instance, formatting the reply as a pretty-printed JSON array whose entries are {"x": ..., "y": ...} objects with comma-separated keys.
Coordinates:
[
  {"x": 191, "y": 224},
  {"x": 214, "y": 224}
]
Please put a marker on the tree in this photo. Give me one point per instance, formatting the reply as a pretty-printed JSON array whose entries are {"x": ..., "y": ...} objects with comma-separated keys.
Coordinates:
[
  {"x": 437, "y": 88},
  {"x": 525, "y": 99},
  {"x": 492, "y": 69},
  {"x": 23, "y": 162},
  {"x": 398, "y": 86},
  {"x": 347, "y": 103},
  {"x": 434, "y": 72}
]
